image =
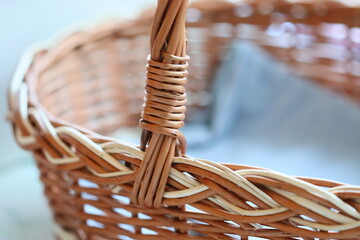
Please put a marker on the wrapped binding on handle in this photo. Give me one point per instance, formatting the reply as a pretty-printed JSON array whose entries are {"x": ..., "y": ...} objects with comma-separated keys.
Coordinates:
[
  {"x": 164, "y": 109},
  {"x": 102, "y": 188}
]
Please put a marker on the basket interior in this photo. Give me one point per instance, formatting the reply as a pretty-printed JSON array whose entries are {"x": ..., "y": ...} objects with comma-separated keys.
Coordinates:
[
  {"x": 98, "y": 85},
  {"x": 98, "y": 82},
  {"x": 95, "y": 79}
]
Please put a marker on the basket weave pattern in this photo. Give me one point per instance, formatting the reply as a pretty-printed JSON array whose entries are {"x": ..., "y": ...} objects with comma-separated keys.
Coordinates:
[{"x": 102, "y": 188}]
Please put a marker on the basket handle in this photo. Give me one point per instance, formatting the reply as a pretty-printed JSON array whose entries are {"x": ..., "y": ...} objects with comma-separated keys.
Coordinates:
[{"x": 164, "y": 108}]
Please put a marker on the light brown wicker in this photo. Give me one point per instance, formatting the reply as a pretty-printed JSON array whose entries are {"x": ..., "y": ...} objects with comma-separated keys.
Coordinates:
[{"x": 103, "y": 188}]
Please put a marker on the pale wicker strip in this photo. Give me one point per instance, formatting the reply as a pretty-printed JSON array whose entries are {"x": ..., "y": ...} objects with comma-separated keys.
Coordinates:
[{"x": 225, "y": 199}]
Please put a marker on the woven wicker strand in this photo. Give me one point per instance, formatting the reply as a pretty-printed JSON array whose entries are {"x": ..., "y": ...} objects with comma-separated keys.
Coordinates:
[
  {"x": 104, "y": 188},
  {"x": 164, "y": 109}
]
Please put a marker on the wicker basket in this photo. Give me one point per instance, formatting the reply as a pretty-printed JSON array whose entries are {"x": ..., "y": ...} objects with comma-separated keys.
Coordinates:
[{"x": 93, "y": 79}]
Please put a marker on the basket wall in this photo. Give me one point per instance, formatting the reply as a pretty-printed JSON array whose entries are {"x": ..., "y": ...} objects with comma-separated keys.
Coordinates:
[{"x": 92, "y": 81}]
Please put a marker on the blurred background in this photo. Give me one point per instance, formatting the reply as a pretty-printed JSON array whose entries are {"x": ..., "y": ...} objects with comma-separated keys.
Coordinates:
[{"x": 265, "y": 136}]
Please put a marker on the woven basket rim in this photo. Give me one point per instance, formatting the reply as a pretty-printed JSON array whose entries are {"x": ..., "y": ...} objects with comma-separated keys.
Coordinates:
[{"x": 234, "y": 174}]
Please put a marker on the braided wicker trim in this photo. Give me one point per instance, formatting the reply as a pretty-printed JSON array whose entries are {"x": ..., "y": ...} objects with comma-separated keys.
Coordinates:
[
  {"x": 243, "y": 194},
  {"x": 296, "y": 195}
]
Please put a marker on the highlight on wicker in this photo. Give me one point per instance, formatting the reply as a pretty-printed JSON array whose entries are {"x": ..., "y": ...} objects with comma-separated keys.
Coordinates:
[{"x": 67, "y": 95}]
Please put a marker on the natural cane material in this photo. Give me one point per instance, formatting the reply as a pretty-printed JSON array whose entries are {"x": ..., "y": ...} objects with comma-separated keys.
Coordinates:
[
  {"x": 164, "y": 109},
  {"x": 92, "y": 81}
]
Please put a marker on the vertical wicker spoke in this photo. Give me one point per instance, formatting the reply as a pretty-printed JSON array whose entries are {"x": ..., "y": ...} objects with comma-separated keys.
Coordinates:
[
  {"x": 105, "y": 189},
  {"x": 168, "y": 48}
]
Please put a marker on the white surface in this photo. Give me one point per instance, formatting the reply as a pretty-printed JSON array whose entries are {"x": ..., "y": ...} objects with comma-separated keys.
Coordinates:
[{"x": 24, "y": 213}]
